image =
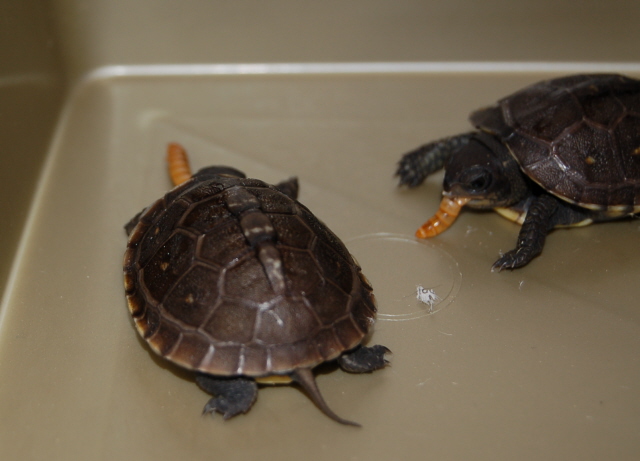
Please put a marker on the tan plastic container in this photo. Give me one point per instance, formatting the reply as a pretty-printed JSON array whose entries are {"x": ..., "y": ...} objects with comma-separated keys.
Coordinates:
[{"x": 539, "y": 363}]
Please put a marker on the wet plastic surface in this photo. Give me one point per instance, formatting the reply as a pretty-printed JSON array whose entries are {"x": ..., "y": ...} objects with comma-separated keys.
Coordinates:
[{"x": 539, "y": 363}]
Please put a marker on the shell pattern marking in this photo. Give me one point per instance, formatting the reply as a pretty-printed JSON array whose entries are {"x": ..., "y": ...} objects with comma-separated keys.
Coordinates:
[{"x": 230, "y": 276}]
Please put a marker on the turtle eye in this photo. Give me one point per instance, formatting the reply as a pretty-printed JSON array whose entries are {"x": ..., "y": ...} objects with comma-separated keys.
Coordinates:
[{"x": 477, "y": 180}]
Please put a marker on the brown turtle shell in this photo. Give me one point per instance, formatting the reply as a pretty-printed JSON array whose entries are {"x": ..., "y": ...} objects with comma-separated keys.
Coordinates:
[
  {"x": 230, "y": 276},
  {"x": 577, "y": 136}
]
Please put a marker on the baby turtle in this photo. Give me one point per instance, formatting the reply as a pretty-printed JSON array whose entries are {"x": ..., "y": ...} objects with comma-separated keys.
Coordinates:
[
  {"x": 561, "y": 152},
  {"x": 236, "y": 280}
]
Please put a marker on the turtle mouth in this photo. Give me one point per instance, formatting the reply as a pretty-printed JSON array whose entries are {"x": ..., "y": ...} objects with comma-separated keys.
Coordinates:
[{"x": 482, "y": 203}]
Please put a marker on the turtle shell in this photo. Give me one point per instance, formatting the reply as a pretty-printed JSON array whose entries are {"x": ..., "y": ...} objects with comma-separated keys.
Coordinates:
[
  {"x": 577, "y": 136},
  {"x": 230, "y": 276}
]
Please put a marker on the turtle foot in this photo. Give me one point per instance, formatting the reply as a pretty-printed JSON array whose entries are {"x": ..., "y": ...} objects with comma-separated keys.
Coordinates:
[
  {"x": 409, "y": 172},
  {"x": 364, "y": 359},
  {"x": 538, "y": 222},
  {"x": 232, "y": 396}
]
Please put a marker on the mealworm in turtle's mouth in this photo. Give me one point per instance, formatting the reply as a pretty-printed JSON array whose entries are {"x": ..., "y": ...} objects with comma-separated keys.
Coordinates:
[{"x": 443, "y": 218}]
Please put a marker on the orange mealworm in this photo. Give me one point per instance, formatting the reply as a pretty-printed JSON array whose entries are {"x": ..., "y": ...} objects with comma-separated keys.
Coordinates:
[
  {"x": 444, "y": 217},
  {"x": 178, "y": 161}
]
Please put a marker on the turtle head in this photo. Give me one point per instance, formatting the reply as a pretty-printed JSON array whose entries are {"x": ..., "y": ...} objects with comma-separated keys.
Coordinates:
[{"x": 484, "y": 173}]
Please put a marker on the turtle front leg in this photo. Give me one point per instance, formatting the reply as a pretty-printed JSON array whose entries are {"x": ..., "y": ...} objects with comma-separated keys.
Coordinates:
[
  {"x": 532, "y": 235},
  {"x": 415, "y": 166},
  {"x": 133, "y": 223},
  {"x": 364, "y": 359},
  {"x": 289, "y": 187},
  {"x": 232, "y": 396}
]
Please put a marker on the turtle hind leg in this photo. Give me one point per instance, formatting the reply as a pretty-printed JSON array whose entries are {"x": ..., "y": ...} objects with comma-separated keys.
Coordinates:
[
  {"x": 232, "y": 396},
  {"x": 364, "y": 359},
  {"x": 304, "y": 377},
  {"x": 415, "y": 166}
]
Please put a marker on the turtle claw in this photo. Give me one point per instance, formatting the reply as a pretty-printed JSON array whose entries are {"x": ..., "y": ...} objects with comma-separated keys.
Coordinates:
[{"x": 512, "y": 260}]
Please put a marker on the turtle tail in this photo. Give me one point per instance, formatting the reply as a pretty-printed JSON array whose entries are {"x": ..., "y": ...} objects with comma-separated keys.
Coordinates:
[{"x": 305, "y": 378}]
